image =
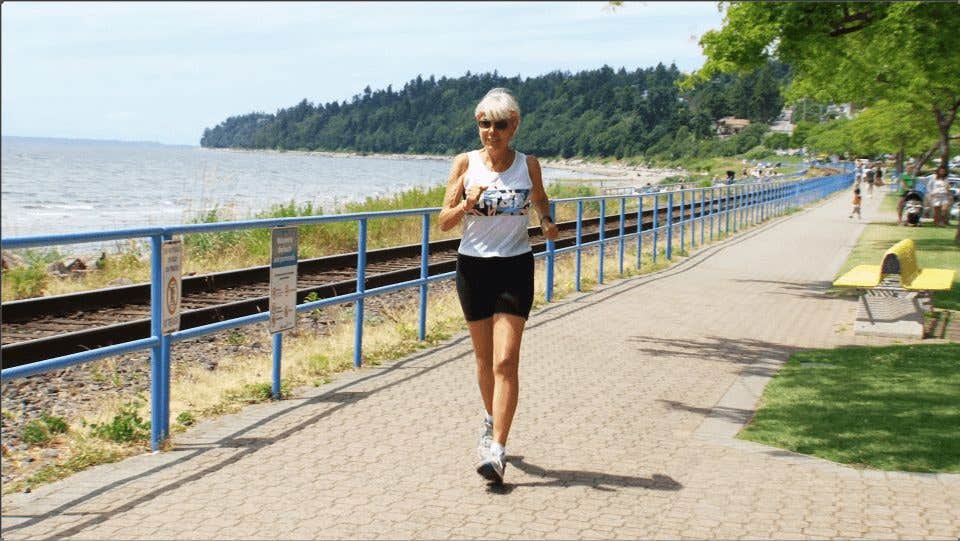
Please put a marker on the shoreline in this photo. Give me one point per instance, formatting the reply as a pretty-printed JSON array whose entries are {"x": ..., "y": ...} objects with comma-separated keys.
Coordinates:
[{"x": 617, "y": 171}]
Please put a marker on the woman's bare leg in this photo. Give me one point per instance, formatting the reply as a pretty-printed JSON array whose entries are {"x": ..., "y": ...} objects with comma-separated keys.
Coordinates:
[
  {"x": 481, "y": 333},
  {"x": 507, "y": 333}
]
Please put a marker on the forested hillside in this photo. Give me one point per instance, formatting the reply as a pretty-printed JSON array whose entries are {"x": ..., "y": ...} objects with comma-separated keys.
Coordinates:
[{"x": 603, "y": 112}]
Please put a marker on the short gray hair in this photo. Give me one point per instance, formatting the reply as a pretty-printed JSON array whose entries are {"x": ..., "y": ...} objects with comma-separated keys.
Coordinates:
[{"x": 497, "y": 104}]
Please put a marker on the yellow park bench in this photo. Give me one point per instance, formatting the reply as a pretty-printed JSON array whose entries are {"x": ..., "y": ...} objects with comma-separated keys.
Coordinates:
[
  {"x": 890, "y": 305},
  {"x": 899, "y": 261}
]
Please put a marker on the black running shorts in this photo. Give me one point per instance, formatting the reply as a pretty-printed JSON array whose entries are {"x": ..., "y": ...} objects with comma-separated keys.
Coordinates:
[{"x": 495, "y": 285}]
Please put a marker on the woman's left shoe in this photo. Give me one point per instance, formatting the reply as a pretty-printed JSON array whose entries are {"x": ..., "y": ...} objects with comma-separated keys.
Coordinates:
[{"x": 491, "y": 468}]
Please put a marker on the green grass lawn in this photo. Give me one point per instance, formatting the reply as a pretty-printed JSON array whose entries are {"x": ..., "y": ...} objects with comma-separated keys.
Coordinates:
[
  {"x": 890, "y": 408},
  {"x": 935, "y": 249}
]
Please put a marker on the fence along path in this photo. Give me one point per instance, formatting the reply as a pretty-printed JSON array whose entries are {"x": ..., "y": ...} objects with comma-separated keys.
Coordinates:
[{"x": 629, "y": 396}]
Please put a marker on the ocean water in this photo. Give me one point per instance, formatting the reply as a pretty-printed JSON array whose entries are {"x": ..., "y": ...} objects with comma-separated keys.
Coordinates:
[{"x": 54, "y": 186}]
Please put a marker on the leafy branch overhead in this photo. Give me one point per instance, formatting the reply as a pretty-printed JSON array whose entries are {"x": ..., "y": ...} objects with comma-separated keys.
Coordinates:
[{"x": 872, "y": 54}]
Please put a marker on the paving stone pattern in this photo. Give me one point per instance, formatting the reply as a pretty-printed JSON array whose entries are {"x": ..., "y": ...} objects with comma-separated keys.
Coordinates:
[{"x": 630, "y": 397}]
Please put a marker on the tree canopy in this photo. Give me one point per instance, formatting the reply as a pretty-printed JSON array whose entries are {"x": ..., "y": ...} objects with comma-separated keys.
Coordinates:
[
  {"x": 602, "y": 112},
  {"x": 903, "y": 56}
]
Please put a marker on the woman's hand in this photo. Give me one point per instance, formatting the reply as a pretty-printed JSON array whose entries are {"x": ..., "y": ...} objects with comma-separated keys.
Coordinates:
[
  {"x": 473, "y": 196},
  {"x": 549, "y": 228}
]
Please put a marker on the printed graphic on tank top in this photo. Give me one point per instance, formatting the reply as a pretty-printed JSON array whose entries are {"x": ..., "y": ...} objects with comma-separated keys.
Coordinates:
[{"x": 498, "y": 200}]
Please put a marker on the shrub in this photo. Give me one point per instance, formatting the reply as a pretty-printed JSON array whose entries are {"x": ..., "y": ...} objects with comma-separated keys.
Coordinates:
[
  {"x": 56, "y": 425},
  {"x": 126, "y": 426},
  {"x": 40, "y": 431},
  {"x": 35, "y": 433},
  {"x": 758, "y": 152},
  {"x": 252, "y": 393},
  {"x": 27, "y": 282}
]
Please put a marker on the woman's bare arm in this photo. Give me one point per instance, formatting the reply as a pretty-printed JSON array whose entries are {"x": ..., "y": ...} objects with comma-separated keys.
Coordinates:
[
  {"x": 454, "y": 207},
  {"x": 539, "y": 199}
]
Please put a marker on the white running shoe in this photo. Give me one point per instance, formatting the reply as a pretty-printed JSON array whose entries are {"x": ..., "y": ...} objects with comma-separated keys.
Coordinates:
[
  {"x": 491, "y": 467},
  {"x": 486, "y": 437}
]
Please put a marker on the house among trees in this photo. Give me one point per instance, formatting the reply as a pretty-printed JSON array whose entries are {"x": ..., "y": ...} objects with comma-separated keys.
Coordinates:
[
  {"x": 844, "y": 110},
  {"x": 731, "y": 125},
  {"x": 784, "y": 123}
]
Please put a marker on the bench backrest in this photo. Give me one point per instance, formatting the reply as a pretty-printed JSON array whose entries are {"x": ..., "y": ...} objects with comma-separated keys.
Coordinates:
[{"x": 901, "y": 259}]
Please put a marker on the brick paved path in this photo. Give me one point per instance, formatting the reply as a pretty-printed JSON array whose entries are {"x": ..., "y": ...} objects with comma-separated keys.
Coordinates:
[{"x": 629, "y": 399}]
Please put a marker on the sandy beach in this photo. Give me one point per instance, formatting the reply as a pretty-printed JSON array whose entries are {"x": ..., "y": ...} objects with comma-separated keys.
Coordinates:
[{"x": 610, "y": 174}]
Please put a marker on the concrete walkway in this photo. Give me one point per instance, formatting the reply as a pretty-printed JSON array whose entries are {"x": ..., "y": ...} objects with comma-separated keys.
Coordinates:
[{"x": 630, "y": 397}]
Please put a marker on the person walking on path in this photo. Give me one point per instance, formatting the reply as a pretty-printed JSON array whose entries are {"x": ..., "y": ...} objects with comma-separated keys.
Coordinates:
[
  {"x": 869, "y": 175},
  {"x": 940, "y": 197},
  {"x": 856, "y": 204},
  {"x": 491, "y": 190}
]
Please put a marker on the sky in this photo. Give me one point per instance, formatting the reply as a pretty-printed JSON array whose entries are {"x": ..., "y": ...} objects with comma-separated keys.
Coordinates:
[{"x": 165, "y": 71}]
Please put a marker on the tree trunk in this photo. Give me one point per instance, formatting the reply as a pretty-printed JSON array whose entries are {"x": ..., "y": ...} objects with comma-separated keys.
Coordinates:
[
  {"x": 898, "y": 164},
  {"x": 944, "y": 121},
  {"x": 922, "y": 159}
]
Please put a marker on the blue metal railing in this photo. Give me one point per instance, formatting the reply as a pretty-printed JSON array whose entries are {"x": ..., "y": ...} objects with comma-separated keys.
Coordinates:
[{"x": 766, "y": 199}]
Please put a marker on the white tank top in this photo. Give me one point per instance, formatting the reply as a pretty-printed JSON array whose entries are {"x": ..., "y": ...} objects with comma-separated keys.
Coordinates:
[{"x": 497, "y": 225}]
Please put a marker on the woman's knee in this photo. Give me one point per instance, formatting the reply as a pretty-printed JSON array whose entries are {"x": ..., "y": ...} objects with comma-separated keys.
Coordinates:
[
  {"x": 506, "y": 367},
  {"x": 484, "y": 362}
]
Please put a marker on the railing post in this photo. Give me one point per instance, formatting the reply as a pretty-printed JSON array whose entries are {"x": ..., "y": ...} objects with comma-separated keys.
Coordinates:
[
  {"x": 165, "y": 377},
  {"x": 551, "y": 257},
  {"x": 603, "y": 227},
  {"x": 579, "y": 241},
  {"x": 277, "y": 352},
  {"x": 639, "y": 228},
  {"x": 623, "y": 217},
  {"x": 741, "y": 208},
  {"x": 424, "y": 273},
  {"x": 670, "y": 226},
  {"x": 156, "y": 330},
  {"x": 763, "y": 202},
  {"x": 726, "y": 211},
  {"x": 683, "y": 221},
  {"x": 656, "y": 225},
  {"x": 703, "y": 222},
  {"x": 713, "y": 208},
  {"x": 361, "y": 287},
  {"x": 693, "y": 219}
]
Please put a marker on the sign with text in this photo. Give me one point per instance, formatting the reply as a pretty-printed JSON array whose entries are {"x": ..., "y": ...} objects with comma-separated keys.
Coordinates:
[
  {"x": 283, "y": 279},
  {"x": 171, "y": 260}
]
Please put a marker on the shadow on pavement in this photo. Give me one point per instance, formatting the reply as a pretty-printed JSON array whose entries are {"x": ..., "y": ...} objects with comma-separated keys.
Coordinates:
[
  {"x": 815, "y": 290},
  {"x": 596, "y": 480},
  {"x": 760, "y": 357},
  {"x": 738, "y": 415}
]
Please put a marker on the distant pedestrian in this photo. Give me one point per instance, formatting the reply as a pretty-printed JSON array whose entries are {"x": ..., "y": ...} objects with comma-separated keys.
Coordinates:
[
  {"x": 856, "y": 204},
  {"x": 940, "y": 197},
  {"x": 490, "y": 191},
  {"x": 869, "y": 175}
]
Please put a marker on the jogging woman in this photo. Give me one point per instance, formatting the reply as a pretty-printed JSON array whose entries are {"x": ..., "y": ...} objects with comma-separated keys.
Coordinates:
[{"x": 490, "y": 191}]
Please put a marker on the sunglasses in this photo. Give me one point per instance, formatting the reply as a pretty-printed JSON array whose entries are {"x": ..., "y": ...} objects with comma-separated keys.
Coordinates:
[{"x": 498, "y": 125}]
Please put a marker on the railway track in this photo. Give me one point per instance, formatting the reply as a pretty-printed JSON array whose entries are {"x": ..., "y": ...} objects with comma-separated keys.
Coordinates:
[{"x": 46, "y": 327}]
